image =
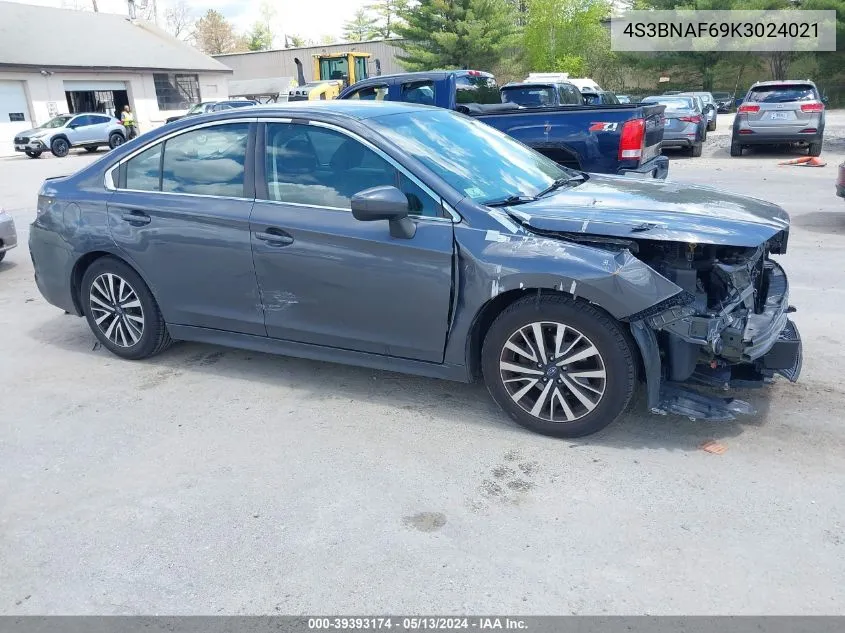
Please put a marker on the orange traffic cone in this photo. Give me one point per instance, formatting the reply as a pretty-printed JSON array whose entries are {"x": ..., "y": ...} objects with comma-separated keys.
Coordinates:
[{"x": 805, "y": 161}]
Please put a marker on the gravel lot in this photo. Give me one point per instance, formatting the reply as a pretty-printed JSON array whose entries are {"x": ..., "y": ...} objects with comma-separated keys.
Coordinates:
[{"x": 209, "y": 480}]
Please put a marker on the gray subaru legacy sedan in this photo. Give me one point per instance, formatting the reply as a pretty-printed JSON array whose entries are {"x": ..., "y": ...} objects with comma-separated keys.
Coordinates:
[{"x": 415, "y": 239}]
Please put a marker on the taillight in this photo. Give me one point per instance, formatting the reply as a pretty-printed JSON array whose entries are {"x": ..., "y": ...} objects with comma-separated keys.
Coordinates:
[
  {"x": 748, "y": 108},
  {"x": 690, "y": 119},
  {"x": 633, "y": 138},
  {"x": 813, "y": 106}
]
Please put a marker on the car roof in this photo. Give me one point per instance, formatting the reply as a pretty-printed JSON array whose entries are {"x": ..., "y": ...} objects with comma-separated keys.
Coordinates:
[
  {"x": 784, "y": 82},
  {"x": 352, "y": 109}
]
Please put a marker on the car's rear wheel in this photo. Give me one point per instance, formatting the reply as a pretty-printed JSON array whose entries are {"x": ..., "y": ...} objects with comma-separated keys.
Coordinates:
[
  {"x": 60, "y": 148},
  {"x": 2, "y": 256},
  {"x": 559, "y": 366},
  {"x": 116, "y": 139},
  {"x": 121, "y": 310},
  {"x": 33, "y": 154},
  {"x": 815, "y": 149},
  {"x": 711, "y": 126},
  {"x": 91, "y": 148},
  {"x": 736, "y": 149},
  {"x": 695, "y": 150}
]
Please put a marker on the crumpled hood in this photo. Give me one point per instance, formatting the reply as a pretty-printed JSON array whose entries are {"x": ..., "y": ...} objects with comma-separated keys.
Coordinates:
[{"x": 625, "y": 207}]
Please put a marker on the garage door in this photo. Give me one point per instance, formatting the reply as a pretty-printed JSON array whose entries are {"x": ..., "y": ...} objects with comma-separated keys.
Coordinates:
[{"x": 14, "y": 114}]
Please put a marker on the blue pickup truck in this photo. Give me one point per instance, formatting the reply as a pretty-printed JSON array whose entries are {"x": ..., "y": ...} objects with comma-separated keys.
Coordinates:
[{"x": 608, "y": 139}]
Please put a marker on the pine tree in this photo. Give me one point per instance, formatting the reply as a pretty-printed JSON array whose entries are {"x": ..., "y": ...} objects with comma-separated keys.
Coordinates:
[
  {"x": 359, "y": 28},
  {"x": 456, "y": 34},
  {"x": 387, "y": 16}
]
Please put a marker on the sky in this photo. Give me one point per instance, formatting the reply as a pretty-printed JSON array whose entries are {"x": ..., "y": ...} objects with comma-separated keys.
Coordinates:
[{"x": 310, "y": 19}]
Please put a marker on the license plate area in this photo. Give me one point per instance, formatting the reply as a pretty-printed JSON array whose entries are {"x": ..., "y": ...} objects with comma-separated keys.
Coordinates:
[{"x": 779, "y": 115}]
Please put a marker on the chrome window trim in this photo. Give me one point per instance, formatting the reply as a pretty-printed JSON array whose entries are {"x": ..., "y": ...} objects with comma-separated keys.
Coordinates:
[
  {"x": 109, "y": 181},
  {"x": 455, "y": 217},
  {"x": 282, "y": 203}
]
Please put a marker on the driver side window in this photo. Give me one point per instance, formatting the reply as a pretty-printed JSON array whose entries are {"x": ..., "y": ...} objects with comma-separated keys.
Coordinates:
[{"x": 315, "y": 166}]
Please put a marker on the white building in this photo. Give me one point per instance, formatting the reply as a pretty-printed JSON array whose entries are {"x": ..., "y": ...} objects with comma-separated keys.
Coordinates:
[{"x": 56, "y": 61}]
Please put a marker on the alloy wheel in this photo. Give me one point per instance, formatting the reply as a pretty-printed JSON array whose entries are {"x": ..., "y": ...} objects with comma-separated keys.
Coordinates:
[
  {"x": 553, "y": 371},
  {"x": 117, "y": 310}
]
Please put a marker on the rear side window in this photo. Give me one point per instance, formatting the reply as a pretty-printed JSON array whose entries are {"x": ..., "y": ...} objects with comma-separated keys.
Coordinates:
[
  {"x": 782, "y": 93},
  {"x": 208, "y": 161},
  {"x": 476, "y": 88},
  {"x": 421, "y": 92},
  {"x": 570, "y": 95},
  {"x": 370, "y": 93}
]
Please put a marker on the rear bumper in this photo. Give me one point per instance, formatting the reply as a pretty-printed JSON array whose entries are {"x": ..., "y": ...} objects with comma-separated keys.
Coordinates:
[
  {"x": 657, "y": 167},
  {"x": 679, "y": 142},
  {"x": 765, "y": 138},
  {"x": 53, "y": 263}
]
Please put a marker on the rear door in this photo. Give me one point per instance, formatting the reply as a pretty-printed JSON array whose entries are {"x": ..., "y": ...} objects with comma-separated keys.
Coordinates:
[
  {"x": 779, "y": 108},
  {"x": 180, "y": 214},
  {"x": 100, "y": 125}
]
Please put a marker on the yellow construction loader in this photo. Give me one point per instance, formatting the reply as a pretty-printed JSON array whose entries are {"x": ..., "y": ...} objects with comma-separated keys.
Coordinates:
[{"x": 332, "y": 73}]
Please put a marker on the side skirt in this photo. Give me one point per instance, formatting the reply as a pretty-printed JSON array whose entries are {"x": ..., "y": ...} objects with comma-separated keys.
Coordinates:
[{"x": 457, "y": 373}]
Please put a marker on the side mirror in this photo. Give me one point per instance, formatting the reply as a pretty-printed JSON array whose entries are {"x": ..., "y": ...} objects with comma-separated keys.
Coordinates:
[
  {"x": 385, "y": 203},
  {"x": 73, "y": 126}
]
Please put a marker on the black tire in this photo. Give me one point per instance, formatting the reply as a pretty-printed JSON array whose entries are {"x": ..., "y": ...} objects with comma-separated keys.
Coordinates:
[
  {"x": 60, "y": 148},
  {"x": 615, "y": 352},
  {"x": 695, "y": 150},
  {"x": 153, "y": 337},
  {"x": 2, "y": 256},
  {"x": 736, "y": 149},
  {"x": 711, "y": 127},
  {"x": 33, "y": 154},
  {"x": 815, "y": 149},
  {"x": 91, "y": 148},
  {"x": 116, "y": 139}
]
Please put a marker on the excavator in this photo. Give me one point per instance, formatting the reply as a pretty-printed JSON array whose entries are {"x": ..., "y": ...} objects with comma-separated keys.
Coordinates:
[{"x": 332, "y": 73}]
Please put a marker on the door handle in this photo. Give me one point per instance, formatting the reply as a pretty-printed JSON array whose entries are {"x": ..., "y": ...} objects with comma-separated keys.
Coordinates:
[
  {"x": 275, "y": 237},
  {"x": 136, "y": 217}
]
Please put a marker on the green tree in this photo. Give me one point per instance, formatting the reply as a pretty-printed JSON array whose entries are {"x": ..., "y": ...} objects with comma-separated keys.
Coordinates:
[
  {"x": 260, "y": 37},
  {"x": 566, "y": 35},
  {"x": 456, "y": 34},
  {"x": 387, "y": 16},
  {"x": 361, "y": 27}
]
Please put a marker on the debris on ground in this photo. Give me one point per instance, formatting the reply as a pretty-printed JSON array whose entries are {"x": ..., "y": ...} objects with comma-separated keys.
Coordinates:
[
  {"x": 712, "y": 446},
  {"x": 805, "y": 161}
]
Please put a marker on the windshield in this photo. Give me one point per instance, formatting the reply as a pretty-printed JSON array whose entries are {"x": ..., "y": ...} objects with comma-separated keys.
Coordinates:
[
  {"x": 529, "y": 96},
  {"x": 677, "y": 103},
  {"x": 782, "y": 93},
  {"x": 59, "y": 121},
  {"x": 197, "y": 108},
  {"x": 472, "y": 157}
]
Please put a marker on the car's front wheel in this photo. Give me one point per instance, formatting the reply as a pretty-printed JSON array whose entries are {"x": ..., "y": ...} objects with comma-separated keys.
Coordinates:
[
  {"x": 121, "y": 310},
  {"x": 33, "y": 154},
  {"x": 116, "y": 140},
  {"x": 695, "y": 150},
  {"x": 60, "y": 148},
  {"x": 559, "y": 366}
]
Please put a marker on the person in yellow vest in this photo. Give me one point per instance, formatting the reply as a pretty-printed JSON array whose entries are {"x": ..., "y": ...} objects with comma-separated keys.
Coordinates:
[{"x": 128, "y": 120}]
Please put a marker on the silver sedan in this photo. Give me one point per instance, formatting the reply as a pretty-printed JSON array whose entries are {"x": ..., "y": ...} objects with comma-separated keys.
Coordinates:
[{"x": 8, "y": 236}]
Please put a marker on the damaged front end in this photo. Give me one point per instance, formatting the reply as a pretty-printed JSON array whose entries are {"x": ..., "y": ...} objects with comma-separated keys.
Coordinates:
[{"x": 727, "y": 328}]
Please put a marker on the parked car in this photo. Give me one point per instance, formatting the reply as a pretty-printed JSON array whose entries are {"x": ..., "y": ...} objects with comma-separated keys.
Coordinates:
[
  {"x": 624, "y": 98},
  {"x": 780, "y": 112},
  {"x": 609, "y": 139},
  {"x": 8, "y": 235},
  {"x": 536, "y": 95},
  {"x": 685, "y": 125},
  {"x": 601, "y": 97},
  {"x": 415, "y": 239},
  {"x": 724, "y": 102},
  {"x": 840, "y": 182},
  {"x": 709, "y": 107},
  {"x": 213, "y": 106},
  {"x": 59, "y": 135}
]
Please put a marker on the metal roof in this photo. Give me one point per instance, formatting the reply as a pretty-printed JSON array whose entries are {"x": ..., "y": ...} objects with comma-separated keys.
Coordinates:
[{"x": 44, "y": 37}]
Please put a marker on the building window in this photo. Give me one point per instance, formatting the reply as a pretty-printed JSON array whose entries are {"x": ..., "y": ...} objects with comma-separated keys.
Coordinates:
[{"x": 176, "y": 91}]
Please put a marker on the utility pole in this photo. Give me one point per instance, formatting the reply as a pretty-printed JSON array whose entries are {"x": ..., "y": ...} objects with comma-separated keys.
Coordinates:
[{"x": 96, "y": 9}]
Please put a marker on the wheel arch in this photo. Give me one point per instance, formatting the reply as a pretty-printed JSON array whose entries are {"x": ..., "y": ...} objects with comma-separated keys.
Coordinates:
[
  {"x": 84, "y": 263},
  {"x": 61, "y": 136}
]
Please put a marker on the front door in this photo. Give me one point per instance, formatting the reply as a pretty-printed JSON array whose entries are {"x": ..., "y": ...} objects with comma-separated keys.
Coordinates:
[
  {"x": 329, "y": 279},
  {"x": 181, "y": 215}
]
